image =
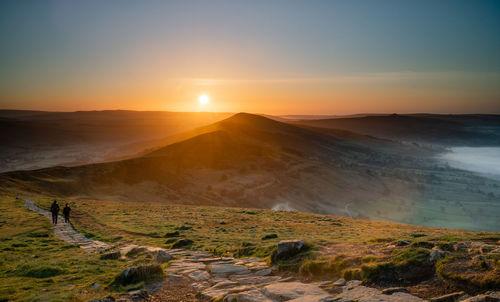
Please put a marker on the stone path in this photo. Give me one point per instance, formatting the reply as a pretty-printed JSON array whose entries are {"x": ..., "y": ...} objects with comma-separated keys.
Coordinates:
[
  {"x": 65, "y": 231},
  {"x": 228, "y": 279},
  {"x": 252, "y": 280}
]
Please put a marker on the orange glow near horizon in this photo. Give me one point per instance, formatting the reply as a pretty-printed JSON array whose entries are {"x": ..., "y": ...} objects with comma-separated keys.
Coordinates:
[{"x": 372, "y": 93}]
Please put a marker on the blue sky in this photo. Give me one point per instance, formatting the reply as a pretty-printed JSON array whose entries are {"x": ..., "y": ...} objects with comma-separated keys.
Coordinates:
[{"x": 319, "y": 55}]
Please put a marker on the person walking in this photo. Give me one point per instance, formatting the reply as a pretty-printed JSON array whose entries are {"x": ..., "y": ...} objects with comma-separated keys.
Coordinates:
[
  {"x": 66, "y": 212},
  {"x": 54, "y": 209}
]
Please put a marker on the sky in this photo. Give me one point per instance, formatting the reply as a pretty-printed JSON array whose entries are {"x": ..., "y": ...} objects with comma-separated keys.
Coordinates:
[{"x": 274, "y": 57}]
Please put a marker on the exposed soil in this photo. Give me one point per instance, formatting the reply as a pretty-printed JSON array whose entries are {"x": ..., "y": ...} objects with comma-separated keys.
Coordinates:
[{"x": 179, "y": 290}]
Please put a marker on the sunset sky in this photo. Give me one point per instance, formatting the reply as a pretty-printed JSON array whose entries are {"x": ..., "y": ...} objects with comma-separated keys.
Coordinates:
[{"x": 275, "y": 57}]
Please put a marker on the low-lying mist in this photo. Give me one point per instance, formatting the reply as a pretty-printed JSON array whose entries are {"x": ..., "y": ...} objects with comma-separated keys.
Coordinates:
[{"x": 484, "y": 160}]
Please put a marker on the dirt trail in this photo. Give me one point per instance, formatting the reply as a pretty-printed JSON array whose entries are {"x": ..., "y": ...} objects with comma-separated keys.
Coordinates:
[{"x": 65, "y": 231}]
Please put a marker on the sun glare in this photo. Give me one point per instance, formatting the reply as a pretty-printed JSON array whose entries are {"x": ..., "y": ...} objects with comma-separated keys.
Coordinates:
[{"x": 203, "y": 99}]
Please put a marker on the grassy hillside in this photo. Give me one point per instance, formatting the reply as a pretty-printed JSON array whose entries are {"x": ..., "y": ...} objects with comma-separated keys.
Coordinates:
[
  {"x": 252, "y": 161},
  {"x": 35, "y": 139},
  {"x": 448, "y": 130},
  {"x": 36, "y": 265}
]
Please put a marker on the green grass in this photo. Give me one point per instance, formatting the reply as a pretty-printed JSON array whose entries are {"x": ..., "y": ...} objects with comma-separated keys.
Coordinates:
[
  {"x": 109, "y": 220},
  {"x": 329, "y": 268},
  {"x": 36, "y": 266}
]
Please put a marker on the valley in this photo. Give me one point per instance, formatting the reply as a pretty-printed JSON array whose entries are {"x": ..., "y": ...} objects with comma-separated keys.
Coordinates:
[{"x": 251, "y": 161}]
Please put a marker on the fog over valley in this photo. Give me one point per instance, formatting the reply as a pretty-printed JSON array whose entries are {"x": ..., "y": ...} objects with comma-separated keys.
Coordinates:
[{"x": 484, "y": 160}]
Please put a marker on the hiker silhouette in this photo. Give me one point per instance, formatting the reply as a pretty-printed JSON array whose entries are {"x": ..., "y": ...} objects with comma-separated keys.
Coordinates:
[
  {"x": 66, "y": 212},
  {"x": 54, "y": 209}
]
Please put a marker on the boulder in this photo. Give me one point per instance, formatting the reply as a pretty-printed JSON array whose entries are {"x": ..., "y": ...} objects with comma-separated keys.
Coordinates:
[
  {"x": 352, "y": 284},
  {"x": 436, "y": 254},
  {"x": 448, "y": 298},
  {"x": 284, "y": 291},
  {"x": 162, "y": 256},
  {"x": 340, "y": 282},
  {"x": 288, "y": 248}
]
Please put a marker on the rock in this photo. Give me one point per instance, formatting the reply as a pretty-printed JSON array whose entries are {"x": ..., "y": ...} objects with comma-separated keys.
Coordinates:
[
  {"x": 111, "y": 256},
  {"x": 162, "y": 256},
  {"x": 289, "y": 248},
  {"x": 284, "y": 291},
  {"x": 448, "y": 298},
  {"x": 314, "y": 298},
  {"x": 225, "y": 284},
  {"x": 199, "y": 275},
  {"x": 436, "y": 254},
  {"x": 137, "y": 274},
  {"x": 402, "y": 243},
  {"x": 244, "y": 280},
  {"x": 262, "y": 272},
  {"x": 138, "y": 293},
  {"x": 489, "y": 297},
  {"x": 182, "y": 243},
  {"x": 368, "y": 294},
  {"x": 172, "y": 234},
  {"x": 215, "y": 294},
  {"x": 227, "y": 269},
  {"x": 392, "y": 290},
  {"x": 95, "y": 285},
  {"x": 340, "y": 282},
  {"x": 174, "y": 277},
  {"x": 199, "y": 286},
  {"x": 253, "y": 295},
  {"x": 352, "y": 284},
  {"x": 423, "y": 244}
]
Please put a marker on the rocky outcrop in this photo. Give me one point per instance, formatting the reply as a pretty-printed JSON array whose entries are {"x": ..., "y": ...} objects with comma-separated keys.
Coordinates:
[
  {"x": 162, "y": 256},
  {"x": 288, "y": 248}
]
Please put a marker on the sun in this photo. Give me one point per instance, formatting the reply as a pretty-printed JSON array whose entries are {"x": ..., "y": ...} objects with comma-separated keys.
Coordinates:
[{"x": 203, "y": 99}]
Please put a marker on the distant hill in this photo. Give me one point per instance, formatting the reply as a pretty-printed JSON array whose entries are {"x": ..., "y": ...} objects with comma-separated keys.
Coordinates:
[
  {"x": 252, "y": 161},
  {"x": 447, "y": 130},
  {"x": 36, "y": 139}
]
